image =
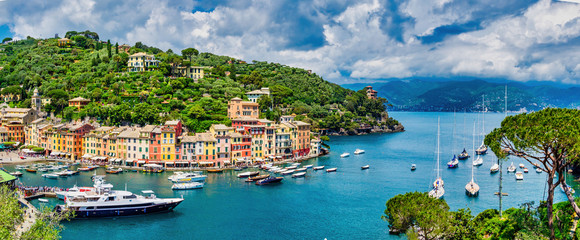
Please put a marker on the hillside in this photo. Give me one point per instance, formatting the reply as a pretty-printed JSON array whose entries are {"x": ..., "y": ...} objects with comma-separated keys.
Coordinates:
[
  {"x": 97, "y": 70},
  {"x": 422, "y": 95}
]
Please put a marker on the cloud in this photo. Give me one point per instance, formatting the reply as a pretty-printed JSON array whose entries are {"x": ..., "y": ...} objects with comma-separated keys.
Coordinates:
[{"x": 342, "y": 40}]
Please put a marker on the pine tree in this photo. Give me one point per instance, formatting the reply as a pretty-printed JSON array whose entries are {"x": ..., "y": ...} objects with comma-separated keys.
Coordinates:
[
  {"x": 109, "y": 48},
  {"x": 116, "y": 48}
]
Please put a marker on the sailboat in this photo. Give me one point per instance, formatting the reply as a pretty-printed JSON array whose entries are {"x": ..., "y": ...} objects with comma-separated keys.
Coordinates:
[
  {"x": 481, "y": 150},
  {"x": 471, "y": 188},
  {"x": 569, "y": 187},
  {"x": 463, "y": 155},
  {"x": 438, "y": 191},
  {"x": 478, "y": 161},
  {"x": 454, "y": 161}
]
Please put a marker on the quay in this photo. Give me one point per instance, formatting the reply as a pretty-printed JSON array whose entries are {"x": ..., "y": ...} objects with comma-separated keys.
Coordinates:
[{"x": 30, "y": 216}]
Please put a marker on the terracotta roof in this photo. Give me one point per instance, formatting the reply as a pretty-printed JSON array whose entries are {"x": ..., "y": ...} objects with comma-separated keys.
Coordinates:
[
  {"x": 189, "y": 139},
  {"x": 129, "y": 133},
  {"x": 221, "y": 127},
  {"x": 79, "y": 99},
  {"x": 173, "y": 122},
  {"x": 300, "y": 123},
  {"x": 236, "y": 99},
  {"x": 205, "y": 137}
]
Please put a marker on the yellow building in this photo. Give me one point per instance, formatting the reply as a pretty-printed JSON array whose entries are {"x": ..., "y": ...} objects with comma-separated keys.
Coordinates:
[
  {"x": 63, "y": 42},
  {"x": 193, "y": 72},
  {"x": 206, "y": 149},
  {"x": 140, "y": 62},
  {"x": 168, "y": 138}
]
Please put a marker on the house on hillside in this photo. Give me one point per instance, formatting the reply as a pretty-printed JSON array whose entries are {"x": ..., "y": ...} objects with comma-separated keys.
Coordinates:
[
  {"x": 63, "y": 42},
  {"x": 78, "y": 102},
  {"x": 253, "y": 96},
  {"x": 141, "y": 62}
]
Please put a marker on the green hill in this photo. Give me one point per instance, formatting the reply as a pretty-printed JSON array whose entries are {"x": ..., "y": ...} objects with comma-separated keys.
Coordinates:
[{"x": 87, "y": 68}]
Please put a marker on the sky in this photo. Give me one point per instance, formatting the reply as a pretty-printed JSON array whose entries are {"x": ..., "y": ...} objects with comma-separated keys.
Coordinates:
[{"x": 343, "y": 41}]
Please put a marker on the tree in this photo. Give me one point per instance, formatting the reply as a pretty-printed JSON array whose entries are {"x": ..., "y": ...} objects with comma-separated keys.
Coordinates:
[
  {"x": 116, "y": 48},
  {"x": 110, "y": 54},
  {"x": 12, "y": 214},
  {"x": 8, "y": 39},
  {"x": 189, "y": 52},
  {"x": 549, "y": 139},
  {"x": 81, "y": 41},
  {"x": 59, "y": 99}
]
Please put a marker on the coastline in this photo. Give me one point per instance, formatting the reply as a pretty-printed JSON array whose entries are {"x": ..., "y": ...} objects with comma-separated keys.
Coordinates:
[{"x": 393, "y": 129}]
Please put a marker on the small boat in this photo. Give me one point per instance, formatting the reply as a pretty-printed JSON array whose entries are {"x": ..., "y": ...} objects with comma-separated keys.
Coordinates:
[
  {"x": 535, "y": 165},
  {"x": 43, "y": 169},
  {"x": 318, "y": 168},
  {"x": 538, "y": 170},
  {"x": 359, "y": 151},
  {"x": 269, "y": 180},
  {"x": 297, "y": 175},
  {"x": 215, "y": 170},
  {"x": 519, "y": 176},
  {"x": 453, "y": 163},
  {"x": 43, "y": 200},
  {"x": 16, "y": 174},
  {"x": 256, "y": 178},
  {"x": 237, "y": 169},
  {"x": 300, "y": 169},
  {"x": 248, "y": 174},
  {"x": 287, "y": 172},
  {"x": 511, "y": 168},
  {"x": 50, "y": 175},
  {"x": 113, "y": 170},
  {"x": 463, "y": 155},
  {"x": 21, "y": 167},
  {"x": 478, "y": 161},
  {"x": 481, "y": 150},
  {"x": 331, "y": 170},
  {"x": 494, "y": 168},
  {"x": 569, "y": 188},
  {"x": 186, "y": 186},
  {"x": 344, "y": 155},
  {"x": 522, "y": 165},
  {"x": 280, "y": 170},
  {"x": 32, "y": 170},
  {"x": 292, "y": 167},
  {"x": 308, "y": 166},
  {"x": 526, "y": 170},
  {"x": 413, "y": 167},
  {"x": 365, "y": 167}
]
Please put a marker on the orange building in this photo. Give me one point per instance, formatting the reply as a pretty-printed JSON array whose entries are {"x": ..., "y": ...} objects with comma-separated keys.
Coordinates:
[
  {"x": 238, "y": 108},
  {"x": 78, "y": 102}
]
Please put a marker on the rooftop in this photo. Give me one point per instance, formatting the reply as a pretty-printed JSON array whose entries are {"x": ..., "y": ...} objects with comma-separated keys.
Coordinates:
[{"x": 79, "y": 99}]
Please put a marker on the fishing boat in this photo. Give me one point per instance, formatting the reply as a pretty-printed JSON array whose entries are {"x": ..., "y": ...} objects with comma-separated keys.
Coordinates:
[
  {"x": 287, "y": 172},
  {"x": 248, "y": 174},
  {"x": 511, "y": 168},
  {"x": 50, "y": 175},
  {"x": 16, "y": 173},
  {"x": 365, "y": 167},
  {"x": 269, "y": 180},
  {"x": 256, "y": 178},
  {"x": 522, "y": 165},
  {"x": 300, "y": 169},
  {"x": 472, "y": 188},
  {"x": 114, "y": 170},
  {"x": 478, "y": 161},
  {"x": 215, "y": 170},
  {"x": 344, "y": 155},
  {"x": 413, "y": 167},
  {"x": 463, "y": 155},
  {"x": 87, "y": 168},
  {"x": 105, "y": 202},
  {"x": 43, "y": 200},
  {"x": 300, "y": 174},
  {"x": 359, "y": 151},
  {"x": 438, "y": 185},
  {"x": 538, "y": 170},
  {"x": 494, "y": 168},
  {"x": 453, "y": 163},
  {"x": 525, "y": 170},
  {"x": 519, "y": 176},
  {"x": 308, "y": 166},
  {"x": 187, "y": 186},
  {"x": 32, "y": 170},
  {"x": 331, "y": 170},
  {"x": 318, "y": 168}
]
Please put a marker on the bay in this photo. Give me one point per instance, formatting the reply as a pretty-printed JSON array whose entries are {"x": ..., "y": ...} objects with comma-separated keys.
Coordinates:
[{"x": 347, "y": 204}]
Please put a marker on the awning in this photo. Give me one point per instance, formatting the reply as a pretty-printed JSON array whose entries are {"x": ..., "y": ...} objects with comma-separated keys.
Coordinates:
[
  {"x": 129, "y": 161},
  {"x": 169, "y": 163},
  {"x": 278, "y": 157},
  {"x": 258, "y": 159},
  {"x": 227, "y": 162},
  {"x": 141, "y": 161},
  {"x": 95, "y": 158},
  {"x": 152, "y": 165},
  {"x": 205, "y": 162},
  {"x": 68, "y": 154},
  {"x": 182, "y": 162},
  {"x": 87, "y": 156},
  {"x": 54, "y": 153},
  {"x": 26, "y": 150},
  {"x": 271, "y": 157}
]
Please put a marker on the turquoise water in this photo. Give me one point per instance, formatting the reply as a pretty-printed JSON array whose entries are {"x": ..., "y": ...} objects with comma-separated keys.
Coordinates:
[{"x": 346, "y": 204}]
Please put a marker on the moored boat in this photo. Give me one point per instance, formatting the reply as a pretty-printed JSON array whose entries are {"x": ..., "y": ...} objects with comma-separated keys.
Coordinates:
[
  {"x": 187, "y": 177},
  {"x": 481, "y": 150},
  {"x": 331, "y": 170},
  {"x": 511, "y": 168},
  {"x": 291, "y": 167},
  {"x": 413, "y": 167},
  {"x": 538, "y": 170},
  {"x": 43, "y": 200},
  {"x": 187, "y": 186},
  {"x": 344, "y": 155},
  {"x": 463, "y": 155},
  {"x": 478, "y": 161},
  {"x": 32, "y": 170},
  {"x": 16, "y": 173},
  {"x": 248, "y": 174},
  {"x": 365, "y": 167},
  {"x": 114, "y": 170},
  {"x": 308, "y": 166},
  {"x": 359, "y": 151},
  {"x": 287, "y": 172},
  {"x": 318, "y": 168},
  {"x": 215, "y": 170},
  {"x": 494, "y": 168},
  {"x": 300, "y": 174},
  {"x": 453, "y": 163},
  {"x": 525, "y": 170},
  {"x": 269, "y": 180},
  {"x": 522, "y": 165},
  {"x": 519, "y": 176},
  {"x": 50, "y": 175},
  {"x": 256, "y": 178},
  {"x": 300, "y": 169}
]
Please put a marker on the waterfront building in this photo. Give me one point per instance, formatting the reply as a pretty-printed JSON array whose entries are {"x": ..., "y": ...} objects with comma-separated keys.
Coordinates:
[
  {"x": 257, "y": 134},
  {"x": 3, "y": 134},
  {"x": 95, "y": 142},
  {"x": 315, "y": 147},
  {"x": 155, "y": 144},
  {"x": 238, "y": 108},
  {"x": 168, "y": 140},
  {"x": 303, "y": 144},
  {"x": 31, "y": 132},
  {"x": 14, "y": 120},
  {"x": 176, "y": 125},
  {"x": 283, "y": 143},
  {"x": 239, "y": 123},
  {"x": 253, "y": 96},
  {"x": 223, "y": 148},
  {"x": 140, "y": 62},
  {"x": 206, "y": 149},
  {"x": 241, "y": 146},
  {"x": 188, "y": 144},
  {"x": 78, "y": 102}
]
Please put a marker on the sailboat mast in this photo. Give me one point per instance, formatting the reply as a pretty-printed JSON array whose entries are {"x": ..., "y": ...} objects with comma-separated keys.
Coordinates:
[
  {"x": 501, "y": 162},
  {"x": 438, "y": 129},
  {"x": 473, "y": 148}
]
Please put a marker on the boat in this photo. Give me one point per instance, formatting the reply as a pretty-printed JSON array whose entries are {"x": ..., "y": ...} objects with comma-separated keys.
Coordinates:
[
  {"x": 478, "y": 161},
  {"x": 187, "y": 186},
  {"x": 453, "y": 163},
  {"x": 522, "y": 165},
  {"x": 365, "y": 167},
  {"x": 248, "y": 174},
  {"x": 331, "y": 170},
  {"x": 187, "y": 177},
  {"x": 32, "y": 170},
  {"x": 413, "y": 167},
  {"x": 21, "y": 167},
  {"x": 438, "y": 185},
  {"x": 538, "y": 170},
  {"x": 344, "y": 155},
  {"x": 43, "y": 169},
  {"x": 87, "y": 168},
  {"x": 16, "y": 173},
  {"x": 287, "y": 172},
  {"x": 511, "y": 168},
  {"x": 308, "y": 166},
  {"x": 280, "y": 170},
  {"x": 463, "y": 155},
  {"x": 269, "y": 180},
  {"x": 359, "y": 151},
  {"x": 525, "y": 170},
  {"x": 256, "y": 178},
  {"x": 481, "y": 150},
  {"x": 238, "y": 169},
  {"x": 494, "y": 168},
  {"x": 569, "y": 188},
  {"x": 519, "y": 176},
  {"x": 318, "y": 168},
  {"x": 50, "y": 175},
  {"x": 153, "y": 168},
  {"x": 300, "y": 169},
  {"x": 103, "y": 201},
  {"x": 291, "y": 167},
  {"x": 44, "y": 200},
  {"x": 71, "y": 192},
  {"x": 300, "y": 174},
  {"x": 114, "y": 170},
  {"x": 472, "y": 188},
  {"x": 215, "y": 170}
]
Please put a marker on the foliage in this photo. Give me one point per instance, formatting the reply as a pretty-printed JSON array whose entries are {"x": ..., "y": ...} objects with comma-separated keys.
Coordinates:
[{"x": 11, "y": 215}]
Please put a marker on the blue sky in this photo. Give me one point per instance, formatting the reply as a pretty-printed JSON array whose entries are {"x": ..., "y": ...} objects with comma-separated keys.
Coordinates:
[{"x": 341, "y": 40}]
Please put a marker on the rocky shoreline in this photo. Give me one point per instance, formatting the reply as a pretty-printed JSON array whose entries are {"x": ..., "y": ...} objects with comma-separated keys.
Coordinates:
[{"x": 375, "y": 129}]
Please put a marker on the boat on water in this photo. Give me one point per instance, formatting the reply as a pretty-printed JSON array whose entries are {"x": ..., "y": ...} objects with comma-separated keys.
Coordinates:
[
  {"x": 438, "y": 189},
  {"x": 522, "y": 165},
  {"x": 43, "y": 169},
  {"x": 302, "y": 169},
  {"x": 472, "y": 188},
  {"x": 525, "y": 170},
  {"x": 256, "y": 178},
  {"x": 103, "y": 201},
  {"x": 248, "y": 174},
  {"x": 71, "y": 192},
  {"x": 300, "y": 174},
  {"x": 187, "y": 177},
  {"x": 291, "y": 167},
  {"x": 187, "y": 186},
  {"x": 308, "y": 166},
  {"x": 43, "y": 200},
  {"x": 453, "y": 163},
  {"x": 269, "y": 180},
  {"x": 331, "y": 170},
  {"x": 87, "y": 168},
  {"x": 287, "y": 172},
  {"x": 114, "y": 170},
  {"x": 344, "y": 155},
  {"x": 569, "y": 188},
  {"x": 478, "y": 161},
  {"x": 50, "y": 175},
  {"x": 16, "y": 173},
  {"x": 153, "y": 168},
  {"x": 538, "y": 170},
  {"x": 519, "y": 176},
  {"x": 32, "y": 170},
  {"x": 365, "y": 167},
  {"x": 21, "y": 167},
  {"x": 481, "y": 150},
  {"x": 511, "y": 168},
  {"x": 463, "y": 155},
  {"x": 215, "y": 170},
  {"x": 238, "y": 169},
  {"x": 318, "y": 168},
  {"x": 359, "y": 151},
  {"x": 413, "y": 167},
  {"x": 494, "y": 168}
]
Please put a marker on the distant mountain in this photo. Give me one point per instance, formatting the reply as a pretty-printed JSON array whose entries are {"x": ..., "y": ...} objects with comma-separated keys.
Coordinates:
[{"x": 422, "y": 95}]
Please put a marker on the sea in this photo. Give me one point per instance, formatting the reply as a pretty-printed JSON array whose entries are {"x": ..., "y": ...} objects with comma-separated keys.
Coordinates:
[{"x": 347, "y": 204}]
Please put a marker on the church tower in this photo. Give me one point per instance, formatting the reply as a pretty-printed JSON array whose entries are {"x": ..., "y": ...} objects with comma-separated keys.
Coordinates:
[{"x": 36, "y": 102}]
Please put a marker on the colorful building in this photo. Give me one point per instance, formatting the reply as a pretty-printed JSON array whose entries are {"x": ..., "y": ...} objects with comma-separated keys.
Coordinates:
[
  {"x": 253, "y": 96},
  {"x": 140, "y": 62},
  {"x": 238, "y": 108},
  {"x": 78, "y": 102}
]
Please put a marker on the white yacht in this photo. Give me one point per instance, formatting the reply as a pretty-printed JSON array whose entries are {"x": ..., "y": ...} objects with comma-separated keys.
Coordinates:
[
  {"x": 519, "y": 176},
  {"x": 511, "y": 168},
  {"x": 344, "y": 155},
  {"x": 494, "y": 168},
  {"x": 181, "y": 177},
  {"x": 105, "y": 202},
  {"x": 438, "y": 186},
  {"x": 478, "y": 161},
  {"x": 359, "y": 151},
  {"x": 187, "y": 185}
]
